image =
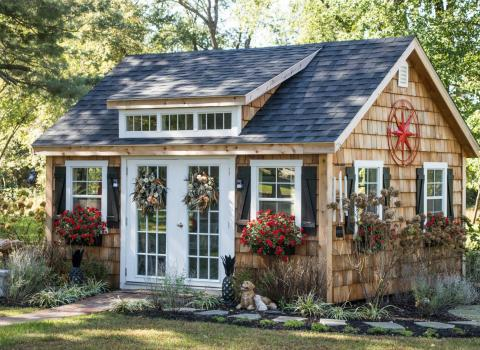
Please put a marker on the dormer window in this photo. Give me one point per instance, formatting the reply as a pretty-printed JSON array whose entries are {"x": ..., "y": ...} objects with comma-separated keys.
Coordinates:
[{"x": 181, "y": 122}]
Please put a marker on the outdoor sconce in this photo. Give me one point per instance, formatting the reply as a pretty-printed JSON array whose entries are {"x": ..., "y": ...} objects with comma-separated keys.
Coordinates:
[
  {"x": 115, "y": 183},
  {"x": 239, "y": 184}
]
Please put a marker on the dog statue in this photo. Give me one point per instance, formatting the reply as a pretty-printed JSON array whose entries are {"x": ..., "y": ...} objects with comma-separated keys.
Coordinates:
[{"x": 247, "y": 299}]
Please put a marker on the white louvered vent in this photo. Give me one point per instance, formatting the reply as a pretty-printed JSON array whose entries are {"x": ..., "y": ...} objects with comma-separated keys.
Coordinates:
[{"x": 403, "y": 75}]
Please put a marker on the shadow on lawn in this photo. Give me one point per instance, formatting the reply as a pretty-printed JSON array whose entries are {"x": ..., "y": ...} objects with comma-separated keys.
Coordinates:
[{"x": 113, "y": 331}]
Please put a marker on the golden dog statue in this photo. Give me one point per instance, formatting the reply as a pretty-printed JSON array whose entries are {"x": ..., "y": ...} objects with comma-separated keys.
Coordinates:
[{"x": 247, "y": 299}]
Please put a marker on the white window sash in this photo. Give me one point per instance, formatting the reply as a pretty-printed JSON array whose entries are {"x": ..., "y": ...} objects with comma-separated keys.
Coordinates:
[
  {"x": 74, "y": 164},
  {"x": 435, "y": 166},
  {"x": 296, "y": 164}
]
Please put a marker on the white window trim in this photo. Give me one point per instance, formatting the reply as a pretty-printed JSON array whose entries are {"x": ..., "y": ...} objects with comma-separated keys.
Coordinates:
[
  {"x": 435, "y": 166},
  {"x": 254, "y": 201},
  {"x": 370, "y": 164},
  {"x": 69, "y": 165},
  {"x": 236, "y": 112}
]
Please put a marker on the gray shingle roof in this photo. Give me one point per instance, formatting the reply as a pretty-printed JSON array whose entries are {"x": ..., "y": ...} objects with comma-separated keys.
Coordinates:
[{"x": 315, "y": 105}]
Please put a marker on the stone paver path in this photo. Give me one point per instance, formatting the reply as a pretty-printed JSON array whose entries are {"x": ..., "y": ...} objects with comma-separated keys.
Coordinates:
[
  {"x": 435, "y": 325},
  {"x": 212, "y": 313},
  {"x": 283, "y": 319},
  {"x": 250, "y": 317},
  {"x": 386, "y": 325},
  {"x": 86, "y": 306},
  {"x": 332, "y": 322},
  {"x": 470, "y": 312}
]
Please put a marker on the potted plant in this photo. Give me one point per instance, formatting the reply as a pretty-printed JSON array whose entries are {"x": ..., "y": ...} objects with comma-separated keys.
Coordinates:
[
  {"x": 272, "y": 234},
  {"x": 80, "y": 227}
]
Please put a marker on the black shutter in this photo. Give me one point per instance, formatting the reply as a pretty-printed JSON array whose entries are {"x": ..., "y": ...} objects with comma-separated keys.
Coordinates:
[
  {"x": 420, "y": 187},
  {"x": 113, "y": 197},
  {"x": 60, "y": 196},
  {"x": 243, "y": 208},
  {"x": 350, "y": 219},
  {"x": 386, "y": 181},
  {"x": 450, "y": 194},
  {"x": 309, "y": 199}
]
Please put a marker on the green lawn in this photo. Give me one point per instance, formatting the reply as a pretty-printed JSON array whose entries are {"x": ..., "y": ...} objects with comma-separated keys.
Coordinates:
[
  {"x": 14, "y": 311},
  {"x": 112, "y": 331}
]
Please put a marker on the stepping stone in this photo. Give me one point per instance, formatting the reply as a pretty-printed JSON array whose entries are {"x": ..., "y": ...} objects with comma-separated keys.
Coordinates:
[
  {"x": 386, "y": 325},
  {"x": 435, "y": 325},
  {"x": 332, "y": 322},
  {"x": 283, "y": 319},
  {"x": 467, "y": 323},
  {"x": 250, "y": 317},
  {"x": 470, "y": 312},
  {"x": 181, "y": 309},
  {"x": 212, "y": 313}
]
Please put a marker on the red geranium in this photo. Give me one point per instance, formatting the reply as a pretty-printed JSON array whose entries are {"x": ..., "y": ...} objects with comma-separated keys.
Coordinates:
[
  {"x": 272, "y": 234},
  {"x": 80, "y": 226}
]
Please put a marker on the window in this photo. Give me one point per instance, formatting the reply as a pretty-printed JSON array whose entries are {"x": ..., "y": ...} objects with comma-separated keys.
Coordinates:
[
  {"x": 276, "y": 185},
  {"x": 403, "y": 75},
  {"x": 369, "y": 178},
  {"x": 141, "y": 122},
  {"x": 214, "y": 121},
  {"x": 86, "y": 185},
  {"x": 435, "y": 187},
  {"x": 177, "y": 122}
]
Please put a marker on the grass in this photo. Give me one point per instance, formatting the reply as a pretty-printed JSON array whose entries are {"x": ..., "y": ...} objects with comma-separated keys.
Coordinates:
[
  {"x": 15, "y": 310},
  {"x": 115, "y": 331}
]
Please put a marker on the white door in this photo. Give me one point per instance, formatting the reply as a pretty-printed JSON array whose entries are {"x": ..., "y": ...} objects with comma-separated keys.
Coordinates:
[{"x": 175, "y": 240}]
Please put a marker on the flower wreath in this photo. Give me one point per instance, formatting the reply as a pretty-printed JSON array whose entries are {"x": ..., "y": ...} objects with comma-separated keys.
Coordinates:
[
  {"x": 150, "y": 193},
  {"x": 202, "y": 191}
]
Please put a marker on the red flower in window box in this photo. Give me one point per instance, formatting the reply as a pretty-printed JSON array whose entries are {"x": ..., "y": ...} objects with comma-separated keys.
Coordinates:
[
  {"x": 72, "y": 228},
  {"x": 272, "y": 234}
]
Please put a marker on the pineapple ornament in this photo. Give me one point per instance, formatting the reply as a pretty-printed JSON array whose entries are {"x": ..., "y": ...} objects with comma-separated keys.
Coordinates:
[{"x": 228, "y": 292}]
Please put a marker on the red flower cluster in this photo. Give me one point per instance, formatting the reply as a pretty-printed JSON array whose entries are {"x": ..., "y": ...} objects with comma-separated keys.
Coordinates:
[
  {"x": 272, "y": 234},
  {"x": 80, "y": 226}
]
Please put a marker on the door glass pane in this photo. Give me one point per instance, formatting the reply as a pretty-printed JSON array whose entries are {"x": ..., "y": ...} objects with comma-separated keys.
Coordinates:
[{"x": 204, "y": 235}]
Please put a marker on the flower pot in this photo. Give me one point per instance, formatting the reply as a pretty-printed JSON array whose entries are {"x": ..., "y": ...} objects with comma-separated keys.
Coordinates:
[{"x": 287, "y": 250}]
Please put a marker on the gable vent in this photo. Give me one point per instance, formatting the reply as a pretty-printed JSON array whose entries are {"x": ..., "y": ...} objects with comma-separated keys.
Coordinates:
[{"x": 403, "y": 75}]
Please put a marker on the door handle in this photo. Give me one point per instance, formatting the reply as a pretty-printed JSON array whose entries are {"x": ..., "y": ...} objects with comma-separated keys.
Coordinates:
[{"x": 180, "y": 225}]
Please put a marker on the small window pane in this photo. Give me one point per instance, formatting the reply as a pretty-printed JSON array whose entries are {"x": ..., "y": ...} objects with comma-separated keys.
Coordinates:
[
  {"x": 203, "y": 268},
  {"x": 152, "y": 243},
  {"x": 141, "y": 265},
  {"x": 227, "y": 121},
  {"x": 267, "y": 190},
  {"x": 142, "y": 242},
  {"x": 192, "y": 245},
  {"x": 137, "y": 123},
  {"x": 285, "y": 175},
  {"x": 438, "y": 175},
  {"x": 94, "y": 174},
  {"x": 80, "y": 188},
  {"x": 192, "y": 221},
  {"x": 79, "y": 174},
  {"x": 129, "y": 123},
  {"x": 87, "y": 202},
  {"x": 142, "y": 222},
  {"x": 214, "y": 245},
  {"x": 151, "y": 265},
  {"x": 162, "y": 221},
  {"x": 181, "y": 122},
  {"x": 94, "y": 188},
  {"x": 430, "y": 175},
  {"x": 153, "y": 123},
  {"x": 162, "y": 243},
  {"x": 285, "y": 207},
  {"x": 202, "y": 121},
  {"x": 285, "y": 191},
  {"x": 145, "y": 123},
  {"x": 192, "y": 267},
  {"x": 189, "y": 121},
  {"x": 203, "y": 245},
  {"x": 219, "y": 121},
  {"x": 210, "y": 121},
  {"x": 213, "y": 222},
  {"x": 266, "y": 174},
  {"x": 213, "y": 269},
  {"x": 161, "y": 266},
  {"x": 266, "y": 205},
  {"x": 173, "y": 122},
  {"x": 203, "y": 222},
  {"x": 165, "y": 122}
]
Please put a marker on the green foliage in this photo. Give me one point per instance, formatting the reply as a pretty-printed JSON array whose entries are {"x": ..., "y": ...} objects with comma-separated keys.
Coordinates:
[
  {"x": 373, "y": 312},
  {"x": 171, "y": 292},
  {"x": 131, "y": 305},
  {"x": 294, "y": 324},
  {"x": 241, "y": 320},
  {"x": 266, "y": 323},
  {"x": 67, "y": 294},
  {"x": 318, "y": 327},
  {"x": 431, "y": 333},
  {"x": 29, "y": 274},
  {"x": 473, "y": 266},
  {"x": 94, "y": 269},
  {"x": 204, "y": 301},
  {"x": 458, "y": 331},
  {"x": 219, "y": 319},
  {"x": 378, "y": 331},
  {"x": 342, "y": 312},
  {"x": 350, "y": 329},
  {"x": 404, "y": 333},
  {"x": 434, "y": 297},
  {"x": 309, "y": 305}
]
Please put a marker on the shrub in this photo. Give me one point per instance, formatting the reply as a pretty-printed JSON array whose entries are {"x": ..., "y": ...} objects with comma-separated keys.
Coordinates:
[
  {"x": 171, "y": 292},
  {"x": 241, "y": 320},
  {"x": 94, "y": 269},
  {"x": 294, "y": 324},
  {"x": 373, "y": 312},
  {"x": 443, "y": 293},
  {"x": 286, "y": 281},
  {"x": 458, "y": 331},
  {"x": 204, "y": 301},
  {"x": 219, "y": 319},
  {"x": 350, "y": 329},
  {"x": 309, "y": 305},
  {"x": 272, "y": 234},
  {"x": 431, "y": 333},
  {"x": 266, "y": 323},
  {"x": 29, "y": 274},
  {"x": 318, "y": 327},
  {"x": 131, "y": 305},
  {"x": 342, "y": 312},
  {"x": 378, "y": 330},
  {"x": 67, "y": 294},
  {"x": 404, "y": 333},
  {"x": 473, "y": 266}
]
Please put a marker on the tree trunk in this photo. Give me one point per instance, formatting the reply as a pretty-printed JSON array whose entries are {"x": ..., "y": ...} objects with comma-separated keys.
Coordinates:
[{"x": 477, "y": 202}]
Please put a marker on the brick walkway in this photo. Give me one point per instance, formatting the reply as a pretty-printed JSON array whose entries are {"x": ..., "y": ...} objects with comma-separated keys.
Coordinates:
[{"x": 86, "y": 306}]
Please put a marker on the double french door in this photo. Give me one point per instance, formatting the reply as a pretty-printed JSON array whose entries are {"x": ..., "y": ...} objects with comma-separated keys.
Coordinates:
[{"x": 177, "y": 240}]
